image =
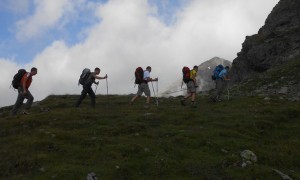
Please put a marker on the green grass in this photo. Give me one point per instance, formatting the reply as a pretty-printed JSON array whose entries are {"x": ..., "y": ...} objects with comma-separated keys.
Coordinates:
[{"x": 118, "y": 141}]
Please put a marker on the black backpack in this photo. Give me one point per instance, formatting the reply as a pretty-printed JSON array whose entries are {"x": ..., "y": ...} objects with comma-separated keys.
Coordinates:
[
  {"x": 84, "y": 76},
  {"x": 17, "y": 78},
  {"x": 139, "y": 75},
  {"x": 186, "y": 72}
]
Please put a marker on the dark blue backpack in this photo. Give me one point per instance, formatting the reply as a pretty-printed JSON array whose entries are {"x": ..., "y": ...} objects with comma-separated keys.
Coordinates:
[{"x": 217, "y": 71}]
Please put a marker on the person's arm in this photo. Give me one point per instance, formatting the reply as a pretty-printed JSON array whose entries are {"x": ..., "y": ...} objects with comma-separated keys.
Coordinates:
[
  {"x": 194, "y": 74},
  {"x": 225, "y": 77},
  {"x": 155, "y": 79},
  {"x": 98, "y": 77},
  {"x": 24, "y": 83}
]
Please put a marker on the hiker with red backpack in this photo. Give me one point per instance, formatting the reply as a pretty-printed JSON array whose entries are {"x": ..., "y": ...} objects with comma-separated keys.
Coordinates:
[
  {"x": 220, "y": 76},
  {"x": 87, "y": 79},
  {"x": 22, "y": 81},
  {"x": 142, "y": 78},
  {"x": 189, "y": 78}
]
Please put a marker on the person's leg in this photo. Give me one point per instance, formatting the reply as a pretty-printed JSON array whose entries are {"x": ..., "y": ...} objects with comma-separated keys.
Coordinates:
[
  {"x": 221, "y": 89},
  {"x": 217, "y": 91},
  {"x": 18, "y": 103},
  {"x": 191, "y": 93},
  {"x": 92, "y": 95},
  {"x": 30, "y": 99},
  {"x": 193, "y": 97},
  {"x": 138, "y": 94},
  {"x": 147, "y": 93},
  {"x": 82, "y": 96}
]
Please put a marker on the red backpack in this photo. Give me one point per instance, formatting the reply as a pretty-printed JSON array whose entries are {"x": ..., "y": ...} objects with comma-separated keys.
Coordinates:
[
  {"x": 139, "y": 75},
  {"x": 186, "y": 72}
]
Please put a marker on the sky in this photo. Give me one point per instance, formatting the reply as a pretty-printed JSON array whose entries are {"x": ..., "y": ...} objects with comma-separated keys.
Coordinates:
[{"x": 62, "y": 37}]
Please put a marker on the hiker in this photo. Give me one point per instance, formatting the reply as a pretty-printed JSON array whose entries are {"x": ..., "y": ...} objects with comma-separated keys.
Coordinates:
[
  {"x": 220, "y": 81},
  {"x": 143, "y": 87},
  {"x": 191, "y": 84},
  {"x": 24, "y": 93},
  {"x": 87, "y": 87}
]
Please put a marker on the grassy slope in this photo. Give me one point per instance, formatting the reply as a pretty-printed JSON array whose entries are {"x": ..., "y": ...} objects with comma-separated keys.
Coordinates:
[{"x": 117, "y": 141}]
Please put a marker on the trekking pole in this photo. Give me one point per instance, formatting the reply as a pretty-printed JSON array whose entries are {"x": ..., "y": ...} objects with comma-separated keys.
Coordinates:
[
  {"x": 227, "y": 93},
  {"x": 106, "y": 87},
  {"x": 153, "y": 89},
  {"x": 157, "y": 92}
]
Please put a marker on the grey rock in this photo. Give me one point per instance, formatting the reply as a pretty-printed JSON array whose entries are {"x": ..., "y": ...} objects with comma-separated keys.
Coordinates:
[
  {"x": 283, "y": 176},
  {"x": 248, "y": 155},
  {"x": 283, "y": 90},
  {"x": 91, "y": 176},
  {"x": 276, "y": 43}
]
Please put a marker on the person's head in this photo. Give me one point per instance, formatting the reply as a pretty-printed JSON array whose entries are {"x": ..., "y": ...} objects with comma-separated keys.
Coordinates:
[
  {"x": 97, "y": 70},
  {"x": 148, "y": 68},
  {"x": 33, "y": 71},
  {"x": 195, "y": 68},
  {"x": 227, "y": 68}
]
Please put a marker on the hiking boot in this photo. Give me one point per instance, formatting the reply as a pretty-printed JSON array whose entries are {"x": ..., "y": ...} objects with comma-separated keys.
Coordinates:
[
  {"x": 182, "y": 101},
  {"x": 25, "y": 113}
]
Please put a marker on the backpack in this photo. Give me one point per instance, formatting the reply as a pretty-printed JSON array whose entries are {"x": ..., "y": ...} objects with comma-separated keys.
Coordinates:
[
  {"x": 186, "y": 73},
  {"x": 17, "y": 78},
  {"x": 217, "y": 71},
  {"x": 139, "y": 75},
  {"x": 84, "y": 76}
]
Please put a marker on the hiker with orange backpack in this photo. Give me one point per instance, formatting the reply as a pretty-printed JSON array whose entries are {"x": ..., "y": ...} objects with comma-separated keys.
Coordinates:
[
  {"x": 22, "y": 81},
  {"x": 142, "y": 78},
  {"x": 87, "y": 79},
  {"x": 189, "y": 78}
]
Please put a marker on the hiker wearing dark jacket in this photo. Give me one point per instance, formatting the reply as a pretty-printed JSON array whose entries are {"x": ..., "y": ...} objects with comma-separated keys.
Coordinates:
[
  {"x": 220, "y": 84},
  {"x": 144, "y": 87},
  {"x": 24, "y": 93},
  {"x": 87, "y": 87},
  {"x": 191, "y": 87}
]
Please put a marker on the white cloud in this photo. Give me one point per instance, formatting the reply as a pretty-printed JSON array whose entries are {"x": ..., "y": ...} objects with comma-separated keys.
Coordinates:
[
  {"x": 129, "y": 36},
  {"x": 47, "y": 14}
]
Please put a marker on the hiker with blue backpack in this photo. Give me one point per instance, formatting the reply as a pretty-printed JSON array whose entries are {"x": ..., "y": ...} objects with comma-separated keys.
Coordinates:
[
  {"x": 22, "y": 81},
  {"x": 220, "y": 76},
  {"x": 87, "y": 79},
  {"x": 142, "y": 78},
  {"x": 189, "y": 78}
]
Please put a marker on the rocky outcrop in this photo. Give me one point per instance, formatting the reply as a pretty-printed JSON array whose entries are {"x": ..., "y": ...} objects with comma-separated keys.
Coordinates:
[{"x": 277, "y": 42}]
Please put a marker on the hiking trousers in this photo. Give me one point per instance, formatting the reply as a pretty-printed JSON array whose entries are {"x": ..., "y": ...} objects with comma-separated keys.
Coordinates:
[
  {"x": 20, "y": 100},
  {"x": 220, "y": 85},
  {"x": 87, "y": 89}
]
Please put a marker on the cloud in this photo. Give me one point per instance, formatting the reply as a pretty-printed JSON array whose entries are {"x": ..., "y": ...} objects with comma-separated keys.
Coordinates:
[
  {"x": 47, "y": 14},
  {"x": 129, "y": 34}
]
